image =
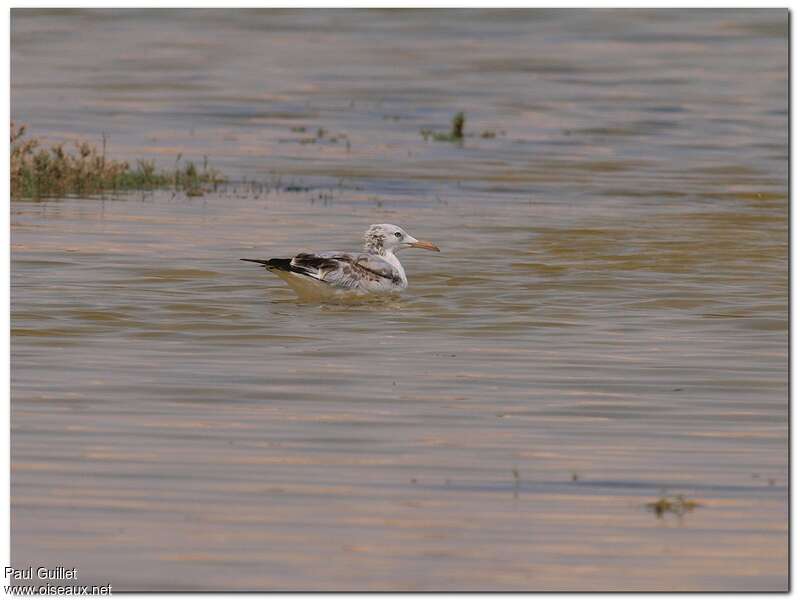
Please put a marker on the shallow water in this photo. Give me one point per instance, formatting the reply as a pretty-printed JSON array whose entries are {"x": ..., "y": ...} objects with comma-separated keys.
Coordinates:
[{"x": 606, "y": 323}]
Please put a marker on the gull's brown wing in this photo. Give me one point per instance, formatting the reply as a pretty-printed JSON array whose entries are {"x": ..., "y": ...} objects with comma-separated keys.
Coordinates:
[{"x": 348, "y": 271}]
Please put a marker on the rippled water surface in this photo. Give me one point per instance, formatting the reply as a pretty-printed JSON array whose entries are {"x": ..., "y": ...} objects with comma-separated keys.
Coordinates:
[{"x": 606, "y": 323}]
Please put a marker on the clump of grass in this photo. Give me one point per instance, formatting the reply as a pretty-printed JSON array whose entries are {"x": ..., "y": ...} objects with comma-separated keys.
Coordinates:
[
  {"x": 456, "y": 133},
  {"x": 192, "y": 180},
  {"x": 676, "y": 505},
  {"x": 55, "y": 171}
]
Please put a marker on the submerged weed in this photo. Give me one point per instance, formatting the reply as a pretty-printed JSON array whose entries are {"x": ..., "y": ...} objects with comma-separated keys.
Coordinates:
[
  {"x": 676, "y": 505},
  {"x": 456, "y": 133},
  {"x": 457, "y": 129},
  {"x": 322, "y": 136}
]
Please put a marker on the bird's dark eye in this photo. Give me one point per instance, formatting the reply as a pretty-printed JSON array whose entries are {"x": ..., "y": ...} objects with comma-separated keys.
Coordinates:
[{"x": 397, "y": 234}]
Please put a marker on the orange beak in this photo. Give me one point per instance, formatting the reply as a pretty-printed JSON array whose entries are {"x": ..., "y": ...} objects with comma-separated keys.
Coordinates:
[{"x": 425, "y": 245}]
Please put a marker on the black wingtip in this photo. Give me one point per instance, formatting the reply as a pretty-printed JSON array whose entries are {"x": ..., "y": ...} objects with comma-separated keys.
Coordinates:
[{"x": 283, "y": 264}]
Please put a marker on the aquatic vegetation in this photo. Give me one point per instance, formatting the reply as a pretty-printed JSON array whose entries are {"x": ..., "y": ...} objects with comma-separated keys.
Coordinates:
[
  {"x": 321, "y": 136},
  {"x": 456, "y": 133},
  {"x": 677, "y": 505},
  {"x": 38, "y": 172},
  {"x": 490, "y": 134}
]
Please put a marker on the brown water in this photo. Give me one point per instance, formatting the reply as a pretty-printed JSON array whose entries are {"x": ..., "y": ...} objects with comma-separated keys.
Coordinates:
[{"x": 606, "y": 323}]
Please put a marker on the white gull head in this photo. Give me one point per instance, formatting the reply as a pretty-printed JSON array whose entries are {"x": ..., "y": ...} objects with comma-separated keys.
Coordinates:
[{"x": 385, "y": 238}]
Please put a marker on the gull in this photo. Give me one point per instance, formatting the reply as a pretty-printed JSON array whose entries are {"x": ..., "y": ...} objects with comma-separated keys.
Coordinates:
[{"x": 374, "y": 270}]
